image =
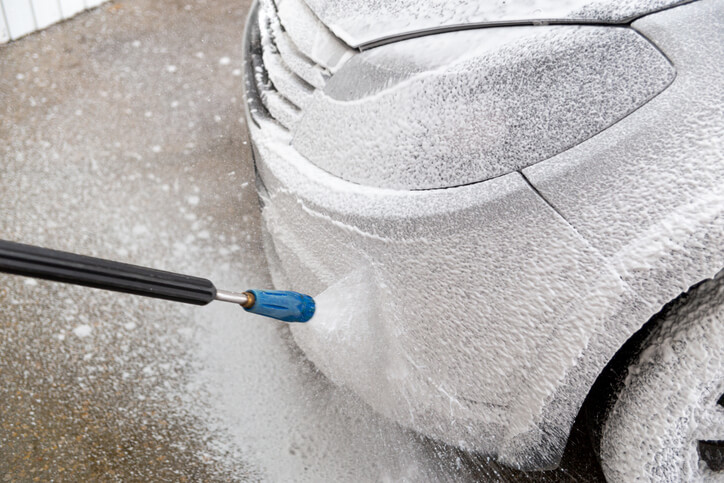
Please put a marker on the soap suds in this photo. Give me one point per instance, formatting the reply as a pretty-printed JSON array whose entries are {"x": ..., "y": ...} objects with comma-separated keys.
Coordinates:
[
  {"x": 83, "y": 331},
  {"x": 463, "y": 114}
]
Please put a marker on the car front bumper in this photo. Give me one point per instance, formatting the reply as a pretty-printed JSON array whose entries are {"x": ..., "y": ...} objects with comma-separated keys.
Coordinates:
[
  {"x": 492, "y": 314},
  {"x": 477, "y": 291}
]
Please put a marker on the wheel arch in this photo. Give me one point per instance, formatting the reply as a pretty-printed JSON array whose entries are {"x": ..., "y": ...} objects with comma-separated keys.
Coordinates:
[
  {"x": 604, "y": 391},
  {"x": 699, "y": 256}
]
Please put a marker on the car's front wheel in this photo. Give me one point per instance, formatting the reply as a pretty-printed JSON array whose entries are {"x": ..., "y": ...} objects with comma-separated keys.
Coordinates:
[{"x": 667, "y": 423}]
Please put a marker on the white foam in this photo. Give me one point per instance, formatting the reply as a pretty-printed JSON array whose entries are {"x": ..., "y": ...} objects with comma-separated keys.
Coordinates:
[{"x": 83, "y": 330}]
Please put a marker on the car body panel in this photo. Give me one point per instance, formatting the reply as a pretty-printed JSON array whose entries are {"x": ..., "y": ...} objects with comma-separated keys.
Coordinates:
[
  {"x": 451, "y": 369},
  {"x": 501, "y": 301},
  {"x": 363, "y": 22},
  {"x": 648, "y": 193}
]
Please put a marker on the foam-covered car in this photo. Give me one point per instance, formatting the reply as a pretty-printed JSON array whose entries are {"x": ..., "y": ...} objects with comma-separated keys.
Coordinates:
[{"x": 521, "y": 187}]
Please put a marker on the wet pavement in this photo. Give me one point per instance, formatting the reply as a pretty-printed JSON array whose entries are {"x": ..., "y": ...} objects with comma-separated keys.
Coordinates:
[{"x": 122, "y": 136}]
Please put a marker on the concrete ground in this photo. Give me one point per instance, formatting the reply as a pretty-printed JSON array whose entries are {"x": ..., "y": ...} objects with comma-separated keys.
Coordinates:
[{"x": 122, "y": 136}]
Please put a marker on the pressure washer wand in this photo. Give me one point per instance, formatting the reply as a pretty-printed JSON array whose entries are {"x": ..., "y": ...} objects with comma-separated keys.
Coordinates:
[{"x": 32, "y": 261}]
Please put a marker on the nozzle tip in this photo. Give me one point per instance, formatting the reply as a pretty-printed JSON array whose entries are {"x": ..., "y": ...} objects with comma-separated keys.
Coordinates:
[{"x": 281, "y": 305}]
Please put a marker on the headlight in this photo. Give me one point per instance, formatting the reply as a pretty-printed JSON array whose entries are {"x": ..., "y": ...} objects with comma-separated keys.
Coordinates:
[{"x": 461, "y": 107}]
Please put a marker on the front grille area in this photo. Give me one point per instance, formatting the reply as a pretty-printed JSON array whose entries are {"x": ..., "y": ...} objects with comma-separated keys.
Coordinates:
[{"x": 287, "y": 72}]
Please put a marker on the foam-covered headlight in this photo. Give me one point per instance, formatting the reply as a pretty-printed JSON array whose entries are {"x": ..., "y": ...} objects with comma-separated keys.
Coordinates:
[{"x": 461, "y": 107}]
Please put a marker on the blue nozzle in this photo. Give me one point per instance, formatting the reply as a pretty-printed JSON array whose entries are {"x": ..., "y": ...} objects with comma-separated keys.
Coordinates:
[{"x": 281, "y": 305}]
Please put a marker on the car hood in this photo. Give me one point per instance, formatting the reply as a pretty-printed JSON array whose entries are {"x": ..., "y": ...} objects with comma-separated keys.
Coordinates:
[{"x": 361, "y": 23}]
